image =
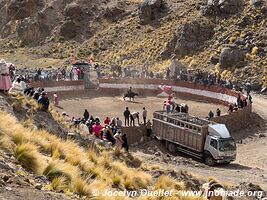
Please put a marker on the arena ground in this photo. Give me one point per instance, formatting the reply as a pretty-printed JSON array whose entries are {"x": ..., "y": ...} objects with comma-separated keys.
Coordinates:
[{"x": 113, "y": 106}]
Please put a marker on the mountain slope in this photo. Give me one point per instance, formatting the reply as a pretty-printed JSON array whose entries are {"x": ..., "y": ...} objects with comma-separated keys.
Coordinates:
[{"x": 229, "y": 38}]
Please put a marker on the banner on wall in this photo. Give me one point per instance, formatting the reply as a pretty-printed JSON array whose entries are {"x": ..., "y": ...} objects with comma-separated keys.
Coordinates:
[{"x": 166, "y": 90}]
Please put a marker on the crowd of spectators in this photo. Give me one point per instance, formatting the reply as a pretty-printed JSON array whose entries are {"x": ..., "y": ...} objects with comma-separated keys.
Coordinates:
[{"x": 110, "y": 130}]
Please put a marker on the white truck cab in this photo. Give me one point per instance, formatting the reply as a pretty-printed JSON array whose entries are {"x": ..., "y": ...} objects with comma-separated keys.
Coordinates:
[{"x": 219, "y": 146}]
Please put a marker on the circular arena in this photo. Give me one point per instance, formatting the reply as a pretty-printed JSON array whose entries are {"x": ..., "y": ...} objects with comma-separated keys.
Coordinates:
[{"x": 107, "y": 98}]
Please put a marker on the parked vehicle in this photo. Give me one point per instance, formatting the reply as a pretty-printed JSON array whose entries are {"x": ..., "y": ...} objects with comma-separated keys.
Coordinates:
[{"x": 197, "y": 137}]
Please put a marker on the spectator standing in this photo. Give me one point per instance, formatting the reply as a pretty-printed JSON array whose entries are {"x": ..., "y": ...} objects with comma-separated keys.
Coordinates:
[
  {"x": 218, "y": 112},
  {"x": 56, "y": 100},
  {"x": 148, "y": 128},
  {"x": 144, "y": 114},
  {"x": 249, "y": 97},
  {"x": 86, "y": 115},
  {"x": 125, "y": 142},
  {"x": 127, "y": 116},
  {"x": 5, "y": 80},
  {"x": 210, "y": 115}
]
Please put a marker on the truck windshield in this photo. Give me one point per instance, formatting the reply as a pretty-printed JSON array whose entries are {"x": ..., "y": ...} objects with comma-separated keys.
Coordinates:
[{"x": 227, "y": 145}]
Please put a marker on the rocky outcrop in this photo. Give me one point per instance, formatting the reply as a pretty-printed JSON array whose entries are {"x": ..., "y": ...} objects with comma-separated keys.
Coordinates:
[
  {"x": 68, "y": 30},
  {"x": 231, "y": 56},
  {"x": 149, "y": 10},
  {"x": 113, "y": 13},
  {"x": 21, "y": 9},
  {"x": 220, "y": 7},
  {"x": 32, "y": 31},
  {"x": 74, "y": 11},
  {"x": 192, "y": 37}
]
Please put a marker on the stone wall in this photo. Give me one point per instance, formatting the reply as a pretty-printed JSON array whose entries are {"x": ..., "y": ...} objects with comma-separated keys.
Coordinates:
[{"x": 134, "y": 134}]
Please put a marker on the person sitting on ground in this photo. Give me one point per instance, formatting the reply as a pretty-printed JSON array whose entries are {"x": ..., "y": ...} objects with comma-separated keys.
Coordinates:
[
  {"x": 148, "y": 128},
  {"x": 97, "y": 128},
  {"x": 108, "y": 135},
  {"x": 210, "y": 115},
  {"x": 118, "y": 123},
  {"x": 107, "y": 121},
  {"x": 44, "y": 101},
  {"x": 92, "y": 119},
  {"x": 37, "y": 93},
  {"x": 113, "y": 121},
  {"x": 127, "y": 116},
  {"x": 119, "y": 141},
  {"x": 125, "y": 142},
  {"x": 218, "y": 112},
  {"x": 133, "y": 116},
  {"x": 29, "y": 91},
  {"x": 16, "y": 85}
]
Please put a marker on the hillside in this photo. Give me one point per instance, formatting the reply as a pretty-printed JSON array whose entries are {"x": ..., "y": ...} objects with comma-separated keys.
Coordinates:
[
  {"x": 38, "y": 160},
  {"x": 229, "y": 37}
]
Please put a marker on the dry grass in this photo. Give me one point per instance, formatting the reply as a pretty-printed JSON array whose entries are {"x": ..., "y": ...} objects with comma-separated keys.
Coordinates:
[
  {"x": 60, "y": 183},
  {"x": 71, "y": 168},
  {"x": 167, "y": 183},
  {"x": 27, "y": 154}
]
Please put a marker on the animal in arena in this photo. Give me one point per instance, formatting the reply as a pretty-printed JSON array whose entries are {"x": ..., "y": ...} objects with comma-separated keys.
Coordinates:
[{"x": 130, "y": 95}]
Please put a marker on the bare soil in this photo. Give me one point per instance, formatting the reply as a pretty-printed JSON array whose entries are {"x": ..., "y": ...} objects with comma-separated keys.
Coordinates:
[
  {"x": 113, "y": 106},
  {"x": 251, "y": 163}
]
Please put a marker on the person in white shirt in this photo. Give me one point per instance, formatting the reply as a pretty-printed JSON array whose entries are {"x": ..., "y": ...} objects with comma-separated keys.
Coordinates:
[
  {"x": 133, "y": 116},
  {"x": 18, "y": 85},
  {"x": 144, "y": 115}
]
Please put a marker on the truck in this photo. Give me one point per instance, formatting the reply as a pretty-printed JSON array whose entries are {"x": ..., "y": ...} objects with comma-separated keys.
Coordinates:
[{"x": 194, "y": 136}]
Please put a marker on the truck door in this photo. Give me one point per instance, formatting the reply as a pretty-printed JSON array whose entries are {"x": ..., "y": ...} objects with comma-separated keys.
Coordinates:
[{"x": 213, "y": 148}]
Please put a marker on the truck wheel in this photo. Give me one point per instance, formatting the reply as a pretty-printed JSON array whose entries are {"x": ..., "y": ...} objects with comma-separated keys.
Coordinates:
[
  {"x": 172, "y": 148},
  {"x": 209, "y": 161}
]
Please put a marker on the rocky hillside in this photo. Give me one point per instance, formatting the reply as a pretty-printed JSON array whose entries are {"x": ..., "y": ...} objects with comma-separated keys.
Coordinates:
[{"x": 227, "y": 36}]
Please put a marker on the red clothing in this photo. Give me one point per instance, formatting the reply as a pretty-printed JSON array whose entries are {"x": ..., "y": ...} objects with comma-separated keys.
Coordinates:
[
  {"x": 107, "y": 121},
  {"x": 97, "y": 130}
]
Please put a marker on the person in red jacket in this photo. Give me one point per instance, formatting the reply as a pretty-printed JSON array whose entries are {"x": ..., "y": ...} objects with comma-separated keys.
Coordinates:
[
  {"x": 97, "y": 128},
  {"x": 107, "y": 121}
]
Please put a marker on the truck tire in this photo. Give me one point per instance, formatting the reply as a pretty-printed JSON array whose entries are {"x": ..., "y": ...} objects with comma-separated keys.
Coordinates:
[
  {"x": 209, "y": 161},
  {"x": 171, "y": 147}
]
